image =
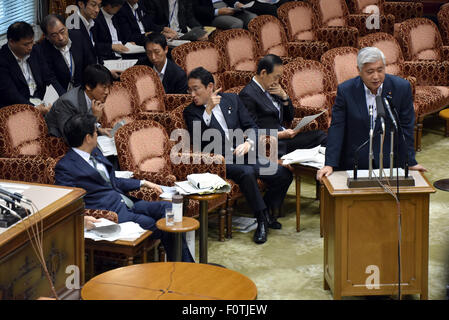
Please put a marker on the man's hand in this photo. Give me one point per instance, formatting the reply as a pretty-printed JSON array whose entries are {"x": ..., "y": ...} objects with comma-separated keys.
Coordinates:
[
  {"x": 287, "y": 134},
  {"x": 97, "y": 108},
  {"x": 238, "y": 5},
  {"x": 105, "y": 132},
  {"x": 326, "y": 171},
  {"x": 214, "y": 99},
  {"x": 119, "y": 48},
  {"x": 242, "y": 149},
  {"x": 225, "y": 12},
  {"x": 116, "y": 74},
  {"x": 44, "y": 109},
  {"x": 89, "y": 222},
  {"x": 418, "y": 167},
  {"x": 277, "y": 90},
  {"x": 169, "y": 33},
  {"x": 152, "y": 185}
]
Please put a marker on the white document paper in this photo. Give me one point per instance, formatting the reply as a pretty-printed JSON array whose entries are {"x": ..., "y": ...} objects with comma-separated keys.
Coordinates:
[
  {"x": 248, "y": 5},
  {"x": 313, "y": 157},
  {"x": 306, "y": 120},
  {"x": 128, "y": 231},
  {"x": 50, "y": 95},
  {"x": 365, "y": 173},
  {"x": 120, "y": 65},
  {"x": 176, "y": 43},
  {"x": 133, "y": 48},
  {"x": 107, "y": 146},
  {"x": 167, "y": 192},
  {"x": 124, "y": 174}
]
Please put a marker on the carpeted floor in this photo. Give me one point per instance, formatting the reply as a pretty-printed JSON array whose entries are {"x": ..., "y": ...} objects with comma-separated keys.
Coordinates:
[{"x": 290, "y": 264}]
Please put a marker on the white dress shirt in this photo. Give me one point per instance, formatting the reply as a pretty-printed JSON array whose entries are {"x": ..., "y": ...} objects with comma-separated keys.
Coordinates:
[
  {"x": 112, "y": 29},
  {"x": 162, "y": 73},
  {"x": 134, "y": 10},
  {"x": 371, "y": 99},
  {"x": 26, "y": 71},
  {"x": 173, "y": 15},
  {"x": 216, "y": 111},
  {"x": 88, "y": 25},
  {"x": 68, "y": 59},
  {"x": 86, "y": 156}
]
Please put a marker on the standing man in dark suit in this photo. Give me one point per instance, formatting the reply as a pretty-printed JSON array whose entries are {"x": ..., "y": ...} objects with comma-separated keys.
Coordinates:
[
  {"x": 24, "y": 74},
  {"x": 110, "y": 42},
  {"x": 270, "y": 107},
  {"x": 226, "y": 115},
  {"x": 175, "y": 14},
  {"x": 88, "y": 98},
  {"x": 88, "y": 12},
  {"x": 173, "y": 78},
  {"x": 135, "y": 23},
  {"x": 219, "y": 14},
  {"x": 350, "y": 124},
  {"x": 84, "y": 166},
  {"x": 66, "y": 52}
]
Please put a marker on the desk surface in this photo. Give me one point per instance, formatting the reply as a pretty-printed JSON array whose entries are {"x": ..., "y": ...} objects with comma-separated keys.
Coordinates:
[{"x": 170, "y": 281}]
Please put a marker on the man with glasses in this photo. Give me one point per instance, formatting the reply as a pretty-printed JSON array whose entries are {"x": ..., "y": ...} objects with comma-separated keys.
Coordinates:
[
  {"x": 66, "y": 51},
  {"x": 88, "y": 12},
  {"x": 24, "y": 74}
]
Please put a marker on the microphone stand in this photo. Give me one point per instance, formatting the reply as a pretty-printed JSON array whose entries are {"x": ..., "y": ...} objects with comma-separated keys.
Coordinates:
[
  {"x": 381, "y": 150},
  {"x": 371, "y": 155}
]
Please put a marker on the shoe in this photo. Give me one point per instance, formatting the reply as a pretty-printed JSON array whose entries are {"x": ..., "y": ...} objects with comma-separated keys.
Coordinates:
[
  {"x": 261, "y": 234},
  {"x": 271, "y": 220}
]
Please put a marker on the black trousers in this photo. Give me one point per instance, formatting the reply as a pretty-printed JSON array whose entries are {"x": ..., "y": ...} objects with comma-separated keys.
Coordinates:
[
  {"x": 277, "y": 180},
  {"x": 303, "y": 140}
]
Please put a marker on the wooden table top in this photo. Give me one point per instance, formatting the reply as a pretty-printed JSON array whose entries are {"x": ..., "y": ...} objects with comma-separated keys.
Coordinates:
[
  {"x": 187, "y": 224},
  {"x": 170, "y": 281}
]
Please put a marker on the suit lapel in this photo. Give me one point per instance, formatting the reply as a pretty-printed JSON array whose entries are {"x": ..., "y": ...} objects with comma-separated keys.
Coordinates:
[
  {"x": 360, "y": 101},
  {"x": 17, "y": 71},
  {"x": 265, "y": 100},
  {"x": 82, "y": 100}
]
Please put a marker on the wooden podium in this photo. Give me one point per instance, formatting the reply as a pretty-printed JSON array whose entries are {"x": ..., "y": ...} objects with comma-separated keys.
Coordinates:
[
  {"x": 61, "y": 215},
  {"x": 360, "y": 227}
]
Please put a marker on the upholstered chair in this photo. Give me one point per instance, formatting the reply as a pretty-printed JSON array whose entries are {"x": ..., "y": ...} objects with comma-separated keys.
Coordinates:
[
  {"x": 300, "y": 23},
  {"x": 311, "y": 88},
  {"x": 443, "y": 22},
  {"x": 120, "y": 104},
  {"x": 144, "y": 148},
  {"x": 400, "y": 10}
]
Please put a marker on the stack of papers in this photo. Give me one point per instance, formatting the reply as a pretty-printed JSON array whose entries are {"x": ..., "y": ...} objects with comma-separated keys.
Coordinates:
[
  {"x": 134, "y": 49},
  {"x": 167, "y": 192},
  {"x": 314, "y": 157},
  {"x": 120, "y": 65},
  {"x": 107, "y": 146},
  {"x": 202, "y": 183},
  {"x": 129, "y": 231}
]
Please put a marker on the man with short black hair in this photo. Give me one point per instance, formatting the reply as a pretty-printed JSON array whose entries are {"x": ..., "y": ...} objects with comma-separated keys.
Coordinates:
[
  {"x": 173, "y": 78},
  {"x": 24, "y": 74},
  {"x": 87, "y": 13},
  {"x": 88, "y": 98},
  {"x": 270, "y": 107},
  {"x": 66, "y": 51},
  {"x": 84, "y": 166}
]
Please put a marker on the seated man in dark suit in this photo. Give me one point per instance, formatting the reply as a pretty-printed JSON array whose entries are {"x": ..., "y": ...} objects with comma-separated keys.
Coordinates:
[
  {"x": 110, "y": 42},
  {"x": 24, "y": 74},
  {"x": 225, "y": 116},
  {"x": 173, "y": 78},
  {"x": 66, "y": 51},
  {"x": 175, "y": 14},
  {"x": 85, "y": 16},
  {"x": 270, "y": 107},
  {"x": 351, "y": 122},
  {"x": 84, "y": 166},
  {"x": 134, "y": 23},
  {"x": 88, "y": 98}
]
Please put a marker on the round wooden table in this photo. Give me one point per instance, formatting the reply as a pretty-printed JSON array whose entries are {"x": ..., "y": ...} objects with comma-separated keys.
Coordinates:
[
  {"x": 170, "y": 281},
  {"x": 178, "y": 228}
]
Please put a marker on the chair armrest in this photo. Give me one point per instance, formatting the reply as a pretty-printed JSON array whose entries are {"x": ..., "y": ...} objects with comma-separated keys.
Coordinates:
[
  {"x": 144, "y": 193},
  {"x": 172, "y": 101},
  {"x": 97, "y": 213},
  {"x": 338, "y": 36},
  {"x": 310, "y": 50},
  {"x": 58, "y": 147},
  {"x": 428, "y": 73},
  {"x": 28, "y": 169},
  {"x": 402, "y": 10},
  {"x": 188, "y": 163},
  {"x": 160, "y": 178}
]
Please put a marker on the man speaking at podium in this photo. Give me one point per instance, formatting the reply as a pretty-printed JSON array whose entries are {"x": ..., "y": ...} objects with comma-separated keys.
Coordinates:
[{"x": 350, "y": 125}]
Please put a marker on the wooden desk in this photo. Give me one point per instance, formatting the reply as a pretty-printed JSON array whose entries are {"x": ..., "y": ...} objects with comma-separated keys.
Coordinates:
[
  {"x": 360, "y": 228},
  {"x": 170, "y": 281},
  {"x": 61, "y": 215}
]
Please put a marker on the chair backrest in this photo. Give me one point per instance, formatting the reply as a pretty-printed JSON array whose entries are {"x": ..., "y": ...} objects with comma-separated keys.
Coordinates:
[
  {"x": 269, "y": 34},
  {"x": 307, "y": 81},
  {"x": 443, "y": 21},
  {"x": 23, "y": 131},
  {"x": 420, "y": 39},
  {"x": 331, "y": 13},
  {"x": 119, "y": 105},
  {"x": 299, "y": 20},
  {"x": 391, "y": 49},
  {"x": 365, "y": 6},
  {"x": 149, "y": 91},
  {"x": 342, "y": 63},
  {"x": 239, "y": 49},
  {"x": 143, "y": 145}
]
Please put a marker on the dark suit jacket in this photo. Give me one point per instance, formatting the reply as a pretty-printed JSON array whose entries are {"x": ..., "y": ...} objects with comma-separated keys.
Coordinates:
[
  {"x": 13, "y": 86},
  {"x": 73, "y": 102},
  {"x": 159, "y": 10},
  {"x": 262, "y": 110},
  {"x": 127, "y": 24},
  {"x": 204, "y": 11},
  {"x": 74, "y": 171},
  {"x": 90, "y": 47},
  {"x": 175, "y": 78},
  {"x": 81, "y": 55},
  {"x": 103, "y": 43},
  {"x": 350, "y": 124},
  {"x": 234, "y": 112}
]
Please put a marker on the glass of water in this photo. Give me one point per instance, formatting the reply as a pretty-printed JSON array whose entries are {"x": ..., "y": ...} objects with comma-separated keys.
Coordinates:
[{"x": 169, "y": 217}]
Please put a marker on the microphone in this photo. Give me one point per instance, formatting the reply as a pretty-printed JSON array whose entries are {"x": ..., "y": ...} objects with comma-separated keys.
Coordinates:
[
  {"x": 381, "y": 115},
  {"x": 390, "y": 113},
  {"x": 15, "y": 196}
]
